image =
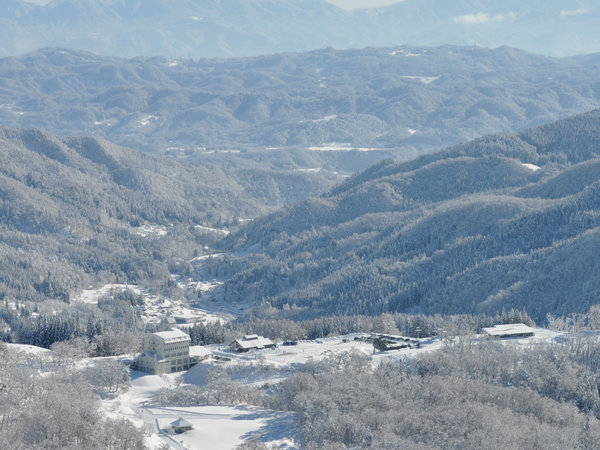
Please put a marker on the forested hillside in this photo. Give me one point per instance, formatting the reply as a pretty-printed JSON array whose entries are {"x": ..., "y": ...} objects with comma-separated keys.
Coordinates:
[
  {"x": 391, "y": 102},
  {"x": 74, "y": 211},
  {"x": 504, "y": 221}
]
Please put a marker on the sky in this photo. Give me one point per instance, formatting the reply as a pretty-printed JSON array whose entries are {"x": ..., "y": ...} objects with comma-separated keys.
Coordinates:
[
  {"x": 345, "y": 4},
  {"x": 356, "y": 4}
]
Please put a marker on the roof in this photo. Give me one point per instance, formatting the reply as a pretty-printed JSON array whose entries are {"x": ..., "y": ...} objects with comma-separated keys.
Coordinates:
[
  {"x": 509, "y": 329},
  {"x": 181, "y": 423},
  {"x": 173, "y": 335},
  {"x": 199, "y": 350},
  {"x": 254, "y": 342}
]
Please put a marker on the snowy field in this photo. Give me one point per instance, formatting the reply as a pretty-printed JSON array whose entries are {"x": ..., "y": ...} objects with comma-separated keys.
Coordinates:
[{"x": 214, "y": 427}]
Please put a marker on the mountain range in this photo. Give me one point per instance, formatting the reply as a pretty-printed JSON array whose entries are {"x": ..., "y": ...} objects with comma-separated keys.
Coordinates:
[
  {"x": 225, "y": 28},
  {"x": 79, "y": 211},
  {"x": 390, "y": 102},
  {"x": 505, "y": 221}
]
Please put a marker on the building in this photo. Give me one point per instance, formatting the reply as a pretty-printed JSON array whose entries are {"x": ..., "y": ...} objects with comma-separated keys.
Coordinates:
[
  {"x": 181, "y": 425},
  {"x": 384, "y": 342},
  {"x": 251, "y": 342},
  {"x": 166, "y": 352},
  {"x": 509, "y": 330}
]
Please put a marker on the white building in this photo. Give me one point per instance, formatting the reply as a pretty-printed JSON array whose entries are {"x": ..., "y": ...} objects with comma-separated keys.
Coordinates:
[{"x": 166, "y": 352}]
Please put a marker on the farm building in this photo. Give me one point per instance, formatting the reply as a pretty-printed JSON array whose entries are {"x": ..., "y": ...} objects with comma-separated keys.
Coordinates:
[
  {"x": 509, "y": 330},
  {"x": 251, "y": 342}
]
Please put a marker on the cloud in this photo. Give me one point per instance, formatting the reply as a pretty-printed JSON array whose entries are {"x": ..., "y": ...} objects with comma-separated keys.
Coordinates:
[
  {"x": 573, "y": 12},
  {"x": 481, "y": 17}
]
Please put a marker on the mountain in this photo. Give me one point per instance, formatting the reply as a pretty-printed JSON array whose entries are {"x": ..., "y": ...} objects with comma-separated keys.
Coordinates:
[
  {"x": 505, "y": 221},
  {"x": 389, "y": 102},
  {"x": 76, "y": 211},
  {"x": 225, "y": 28}
]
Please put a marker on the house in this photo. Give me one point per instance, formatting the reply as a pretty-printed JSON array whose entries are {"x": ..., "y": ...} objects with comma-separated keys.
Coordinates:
[
  {"x": 166, "y": 352},
  {"x": 509, "y": 330},
  {"x": 251, "y": 342},
  {"x": 181, "y": 425}
]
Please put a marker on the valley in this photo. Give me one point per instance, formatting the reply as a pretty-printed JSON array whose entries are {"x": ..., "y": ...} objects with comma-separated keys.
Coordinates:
[{"x": 261, "y": 224}]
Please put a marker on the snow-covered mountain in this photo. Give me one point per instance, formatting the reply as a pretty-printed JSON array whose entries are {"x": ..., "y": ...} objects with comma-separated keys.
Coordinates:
[
  {"x": 501, "y": 222},
  {"x": 397, "y": 101},
  {"x": 220, "y": 28}
]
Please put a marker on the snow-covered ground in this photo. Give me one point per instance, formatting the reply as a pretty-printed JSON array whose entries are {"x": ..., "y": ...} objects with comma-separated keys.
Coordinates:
[
  {"x": 214, "y": 427},
  {"x": 221, "y": 232},
  {"x": 203, "y": 300},
  {"x": 225, "y": 427},
  {"x": 531, "y": 167},
  {"x": 341, "y": 147},
  {"x": 29, "y": 349},
  {"x": 151, "y": 230},
  {"x": 422, "y": 79},
  {"x": 146, "y": 120}
]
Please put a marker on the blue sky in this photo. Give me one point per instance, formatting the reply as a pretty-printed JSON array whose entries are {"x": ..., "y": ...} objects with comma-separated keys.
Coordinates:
[
  {"x": 345, "y": 4},
  {"x": 354, "y": 4}
]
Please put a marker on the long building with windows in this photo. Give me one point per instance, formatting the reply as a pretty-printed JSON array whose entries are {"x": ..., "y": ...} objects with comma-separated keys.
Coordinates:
[{"x": 166, "y": 352}]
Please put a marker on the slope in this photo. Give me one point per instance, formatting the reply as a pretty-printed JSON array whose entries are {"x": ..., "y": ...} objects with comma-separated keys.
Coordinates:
[
  {"x": 501, "y": 222},
  {"x": 75, "y": 211},
  {"x": 388, "y": 102}
]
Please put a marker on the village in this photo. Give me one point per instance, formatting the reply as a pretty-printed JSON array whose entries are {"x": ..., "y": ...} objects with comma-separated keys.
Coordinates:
[{"x": 169, "y": 360}]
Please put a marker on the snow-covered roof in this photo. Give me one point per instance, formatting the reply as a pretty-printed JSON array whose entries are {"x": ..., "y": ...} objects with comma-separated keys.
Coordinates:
[
  {"x": 181, "y": 423},
  {"x": 510, "y": 329},
  {"x": 173, "y": 335},
  {"x": 254, "y": 342},
  {"x": 199, "y": 350}
]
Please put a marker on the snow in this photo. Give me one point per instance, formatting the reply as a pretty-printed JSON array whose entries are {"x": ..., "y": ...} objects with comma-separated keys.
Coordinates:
[
  {"x": 322, "y": 119},
  {"x": 224, "y": 427},
  {"x": 146, "y": 120},
  {"x": 309, "y": 170},
  {"x": 424, "y": 80},
  {"x": 531, "y": 167},
  {"x": 286, "y": 357},
  {"x": 222, "y": 232},
  {"x": 341, "y": 147},
  {"x": 91, "y": 296},
  {"x": 404, "y": 52},
  {"x": 200, "y": 350},
  {"x": 508, "y": 329},
  {"x": 540, "y": 336},
  {"x": 29, "y": 349},
  {"x": 149, "y": 230},
  {"x": 215, "y": 427},
  {"x": 173, "y": 335}
]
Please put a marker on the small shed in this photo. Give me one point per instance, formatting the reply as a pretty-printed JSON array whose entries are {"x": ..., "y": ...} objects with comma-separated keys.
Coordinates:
[
  {"x": 181, "y": 425},
  {"x": 509, "y": 330},
  {"x": 251, "y": 342}
]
